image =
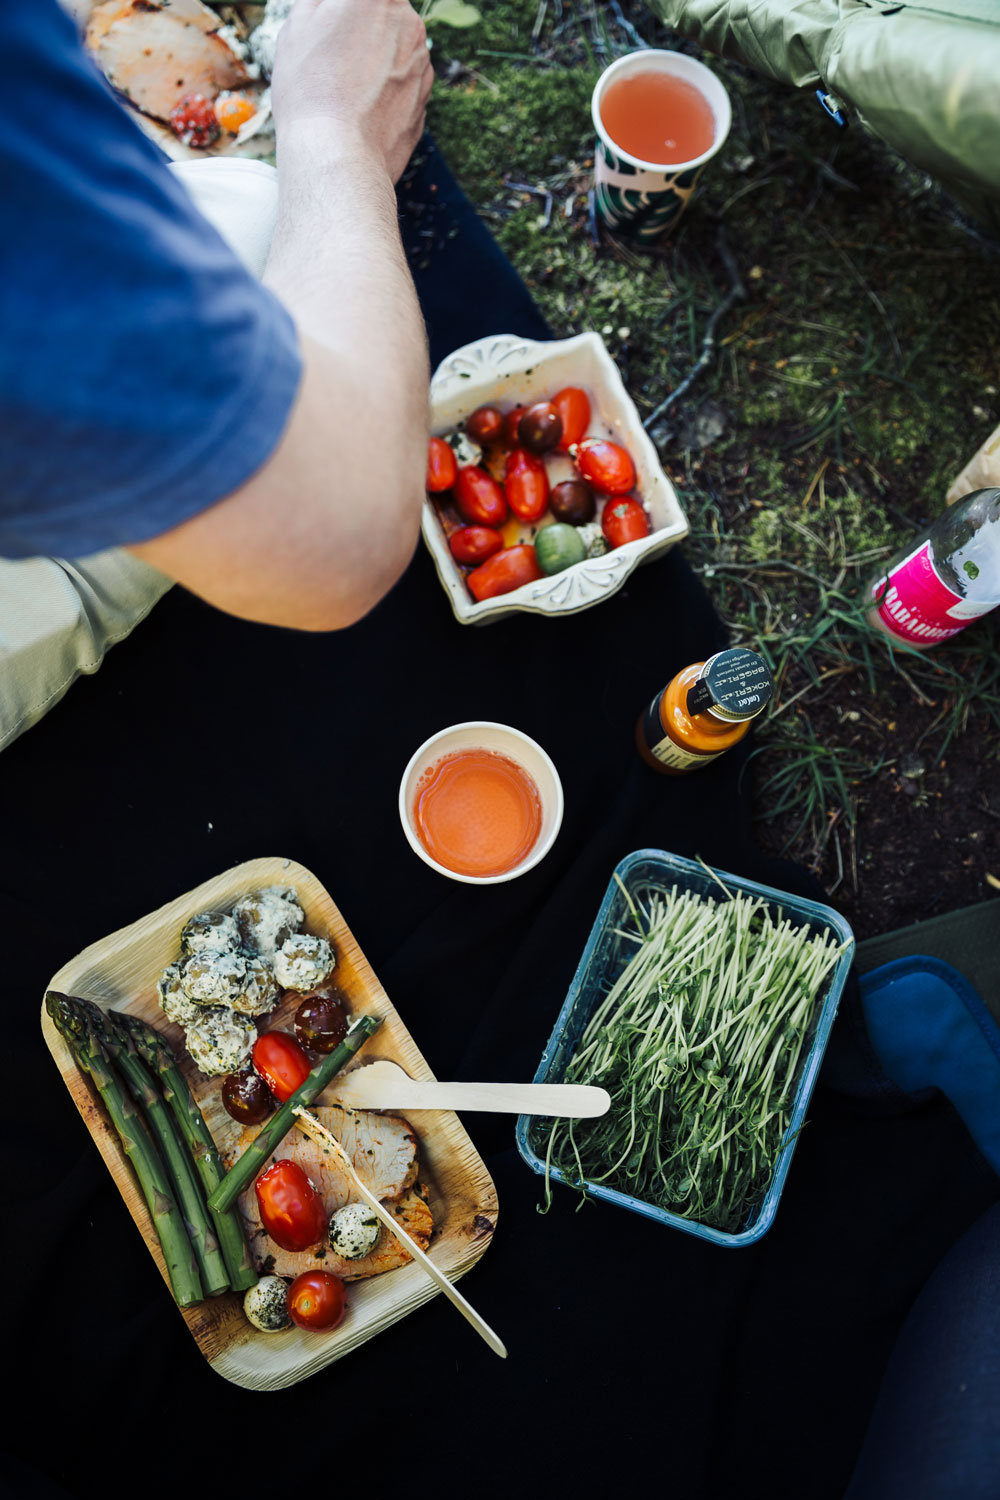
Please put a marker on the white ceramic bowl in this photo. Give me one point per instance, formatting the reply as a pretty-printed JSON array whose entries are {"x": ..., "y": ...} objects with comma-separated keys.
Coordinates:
[
  {"x": 507, "y": 371},
  {"x": 483, "y": 735}
]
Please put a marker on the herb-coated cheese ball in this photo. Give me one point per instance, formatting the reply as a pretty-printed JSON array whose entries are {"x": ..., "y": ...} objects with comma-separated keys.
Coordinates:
[
  {"x": 260, "y": 988},
  {"x": 303, "y": 961},
  {"x": 210, "y": 929},
  {"x": 266, "y": 918},
  {"x": 176, "y": 1005},
  {"x": 219, "y": 1040},
  {"x": 213, "y": 976}
]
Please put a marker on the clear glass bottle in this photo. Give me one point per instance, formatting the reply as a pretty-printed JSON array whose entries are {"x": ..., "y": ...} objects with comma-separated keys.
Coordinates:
[
  {"x": 704, "y": 710},
  {"x": 946, "y": 578}
]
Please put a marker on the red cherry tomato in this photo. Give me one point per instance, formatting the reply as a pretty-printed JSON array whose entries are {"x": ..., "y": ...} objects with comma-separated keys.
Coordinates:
[
  {"x": 479, "y": 497},
  {"x": 511, "y": 422},
  {"x": 526, "y": 485},
  {"x": 291, "y": 1210},
  {"x": 281, "y": 1063},
  {"x": 485, "y": 424},
  {"x": 471, "y": 545},
  {"x": 573, "y": 406},
  {"x": 504, "y": 571},
  {"x": 193, "y": 121},
  {"x": 442, "y": 466},
  {"x": 316, "y": 1300},
  {"x": 606, "y": 466},
  {"x": 624, "y": 521}
]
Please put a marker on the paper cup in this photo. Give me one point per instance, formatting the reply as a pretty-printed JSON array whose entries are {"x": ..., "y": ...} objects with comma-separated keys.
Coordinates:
[
  {"x": 483, "y": 734},
  {"x": 642, "y": 199}
]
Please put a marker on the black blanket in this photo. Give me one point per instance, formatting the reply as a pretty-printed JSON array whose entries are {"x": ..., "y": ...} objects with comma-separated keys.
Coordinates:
[{"x": 204, "y": 741}]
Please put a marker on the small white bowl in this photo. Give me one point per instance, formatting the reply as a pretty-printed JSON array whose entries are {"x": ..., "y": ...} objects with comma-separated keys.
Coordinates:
[
  {"x": 481, "y": 734},
  {"x": 508, "y": 371}
]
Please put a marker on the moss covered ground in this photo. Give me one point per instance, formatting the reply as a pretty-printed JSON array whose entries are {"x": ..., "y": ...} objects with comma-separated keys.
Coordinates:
[{"x": 849, "y": 382}]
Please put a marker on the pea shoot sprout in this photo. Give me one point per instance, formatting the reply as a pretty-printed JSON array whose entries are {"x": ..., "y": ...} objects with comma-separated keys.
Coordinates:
[{"x": 699, "y": 1042}]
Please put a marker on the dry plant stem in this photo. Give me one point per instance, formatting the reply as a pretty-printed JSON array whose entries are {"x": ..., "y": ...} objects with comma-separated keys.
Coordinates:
[
  {"x": 737, "y": 293},
  {"x": 324, "y": 1138}
]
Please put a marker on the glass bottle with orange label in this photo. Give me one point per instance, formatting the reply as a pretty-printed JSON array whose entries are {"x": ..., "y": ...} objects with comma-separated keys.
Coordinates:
[{"x": 704, "y": 710}]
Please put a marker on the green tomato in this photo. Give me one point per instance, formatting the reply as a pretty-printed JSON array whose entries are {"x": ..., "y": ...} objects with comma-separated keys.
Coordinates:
[{"x": 559, "y": 546}]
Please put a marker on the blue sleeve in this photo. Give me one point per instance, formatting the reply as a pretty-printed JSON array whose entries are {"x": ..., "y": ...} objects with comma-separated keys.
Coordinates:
[{"x": 144, "y": 373}]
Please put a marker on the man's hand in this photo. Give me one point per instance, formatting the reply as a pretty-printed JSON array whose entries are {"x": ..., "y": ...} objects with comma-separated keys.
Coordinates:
[
  {"x": 321, "y": 533},
  {"x": 353, "y": 71}
]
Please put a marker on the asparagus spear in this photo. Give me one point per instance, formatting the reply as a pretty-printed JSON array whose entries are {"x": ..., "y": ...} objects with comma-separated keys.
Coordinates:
[
  {"x": 121, "y": 1049},
  {"x": 243, "y": 1171},
  {"x": 74, "y": 1024},
  {"x": 157, "y": 1054}
]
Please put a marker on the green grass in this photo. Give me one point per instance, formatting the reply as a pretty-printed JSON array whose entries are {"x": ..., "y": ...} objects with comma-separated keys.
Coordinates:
[{"x": 846, "y": 390}]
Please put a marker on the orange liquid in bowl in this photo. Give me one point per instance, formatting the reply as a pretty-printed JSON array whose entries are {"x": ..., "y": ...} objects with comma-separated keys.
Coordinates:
[
  {"x": 658, "y": 117},
  {"x": 477, "y": 812}
]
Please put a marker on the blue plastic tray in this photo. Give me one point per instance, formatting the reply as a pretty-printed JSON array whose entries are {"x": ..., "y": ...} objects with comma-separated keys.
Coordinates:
[{"x": 603, "y": 960}]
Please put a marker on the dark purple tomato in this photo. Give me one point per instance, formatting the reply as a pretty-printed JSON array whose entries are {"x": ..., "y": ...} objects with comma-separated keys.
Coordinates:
[
  {"x": 485, "y": 424},
  {"x": 247, "y": 1097},
  {"x": 540, "y": 428},
  {"x": 320, "y": 1023},
  {"x": 573, "y": 501}
]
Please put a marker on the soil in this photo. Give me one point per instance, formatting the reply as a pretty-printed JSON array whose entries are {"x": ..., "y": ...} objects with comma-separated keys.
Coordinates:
[{"x": 927, "y": 838}]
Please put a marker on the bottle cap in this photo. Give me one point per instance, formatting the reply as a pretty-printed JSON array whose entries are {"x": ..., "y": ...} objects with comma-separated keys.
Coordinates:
[{"x": 733, "y": 685}]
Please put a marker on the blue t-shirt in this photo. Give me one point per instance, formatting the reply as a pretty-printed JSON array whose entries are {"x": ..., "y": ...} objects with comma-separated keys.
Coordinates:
[{"x": 144, "y": 373}]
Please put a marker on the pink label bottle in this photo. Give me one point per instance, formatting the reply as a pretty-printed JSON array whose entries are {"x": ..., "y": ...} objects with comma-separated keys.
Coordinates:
[{"x": 948, "y": 577}]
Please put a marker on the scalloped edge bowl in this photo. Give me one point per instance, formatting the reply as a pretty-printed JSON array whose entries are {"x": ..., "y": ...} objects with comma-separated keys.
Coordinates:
[{"x": 505, "y": 370}]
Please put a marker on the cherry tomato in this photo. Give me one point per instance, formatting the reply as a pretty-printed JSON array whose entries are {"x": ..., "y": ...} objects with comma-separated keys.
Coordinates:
[
  {"x": 479, "y": 497},
  {"x": 526, "y": 485},
  {"x": 510, "y": 425},
  {"x": 442, "y": 466},
  {"x": 291, "y": 1210},
  {"x": 606, "y": 466},
  {"x": 504, "y": 571},
  {"x": 320, "y": 1022},
  {"x": 246, "y": 1097},
  {"x": 573, "y": 501},
  {"x": 624, "y": 521},
  {"x": 233, "y": 109},
  {"x": 573, "y": 407},
  {"x": 193, "y": 121},
  {"x": 316, "y": 1300},
  {"x": 540, "y": 428},
  {"x": 471, "y": 545},
  {"x": 281, "y": 1063},
  {"x": 485, "y": 424}
]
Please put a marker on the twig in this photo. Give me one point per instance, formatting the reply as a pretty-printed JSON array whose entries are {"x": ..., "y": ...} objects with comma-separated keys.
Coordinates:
[{"x": 737, "y": 293}]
